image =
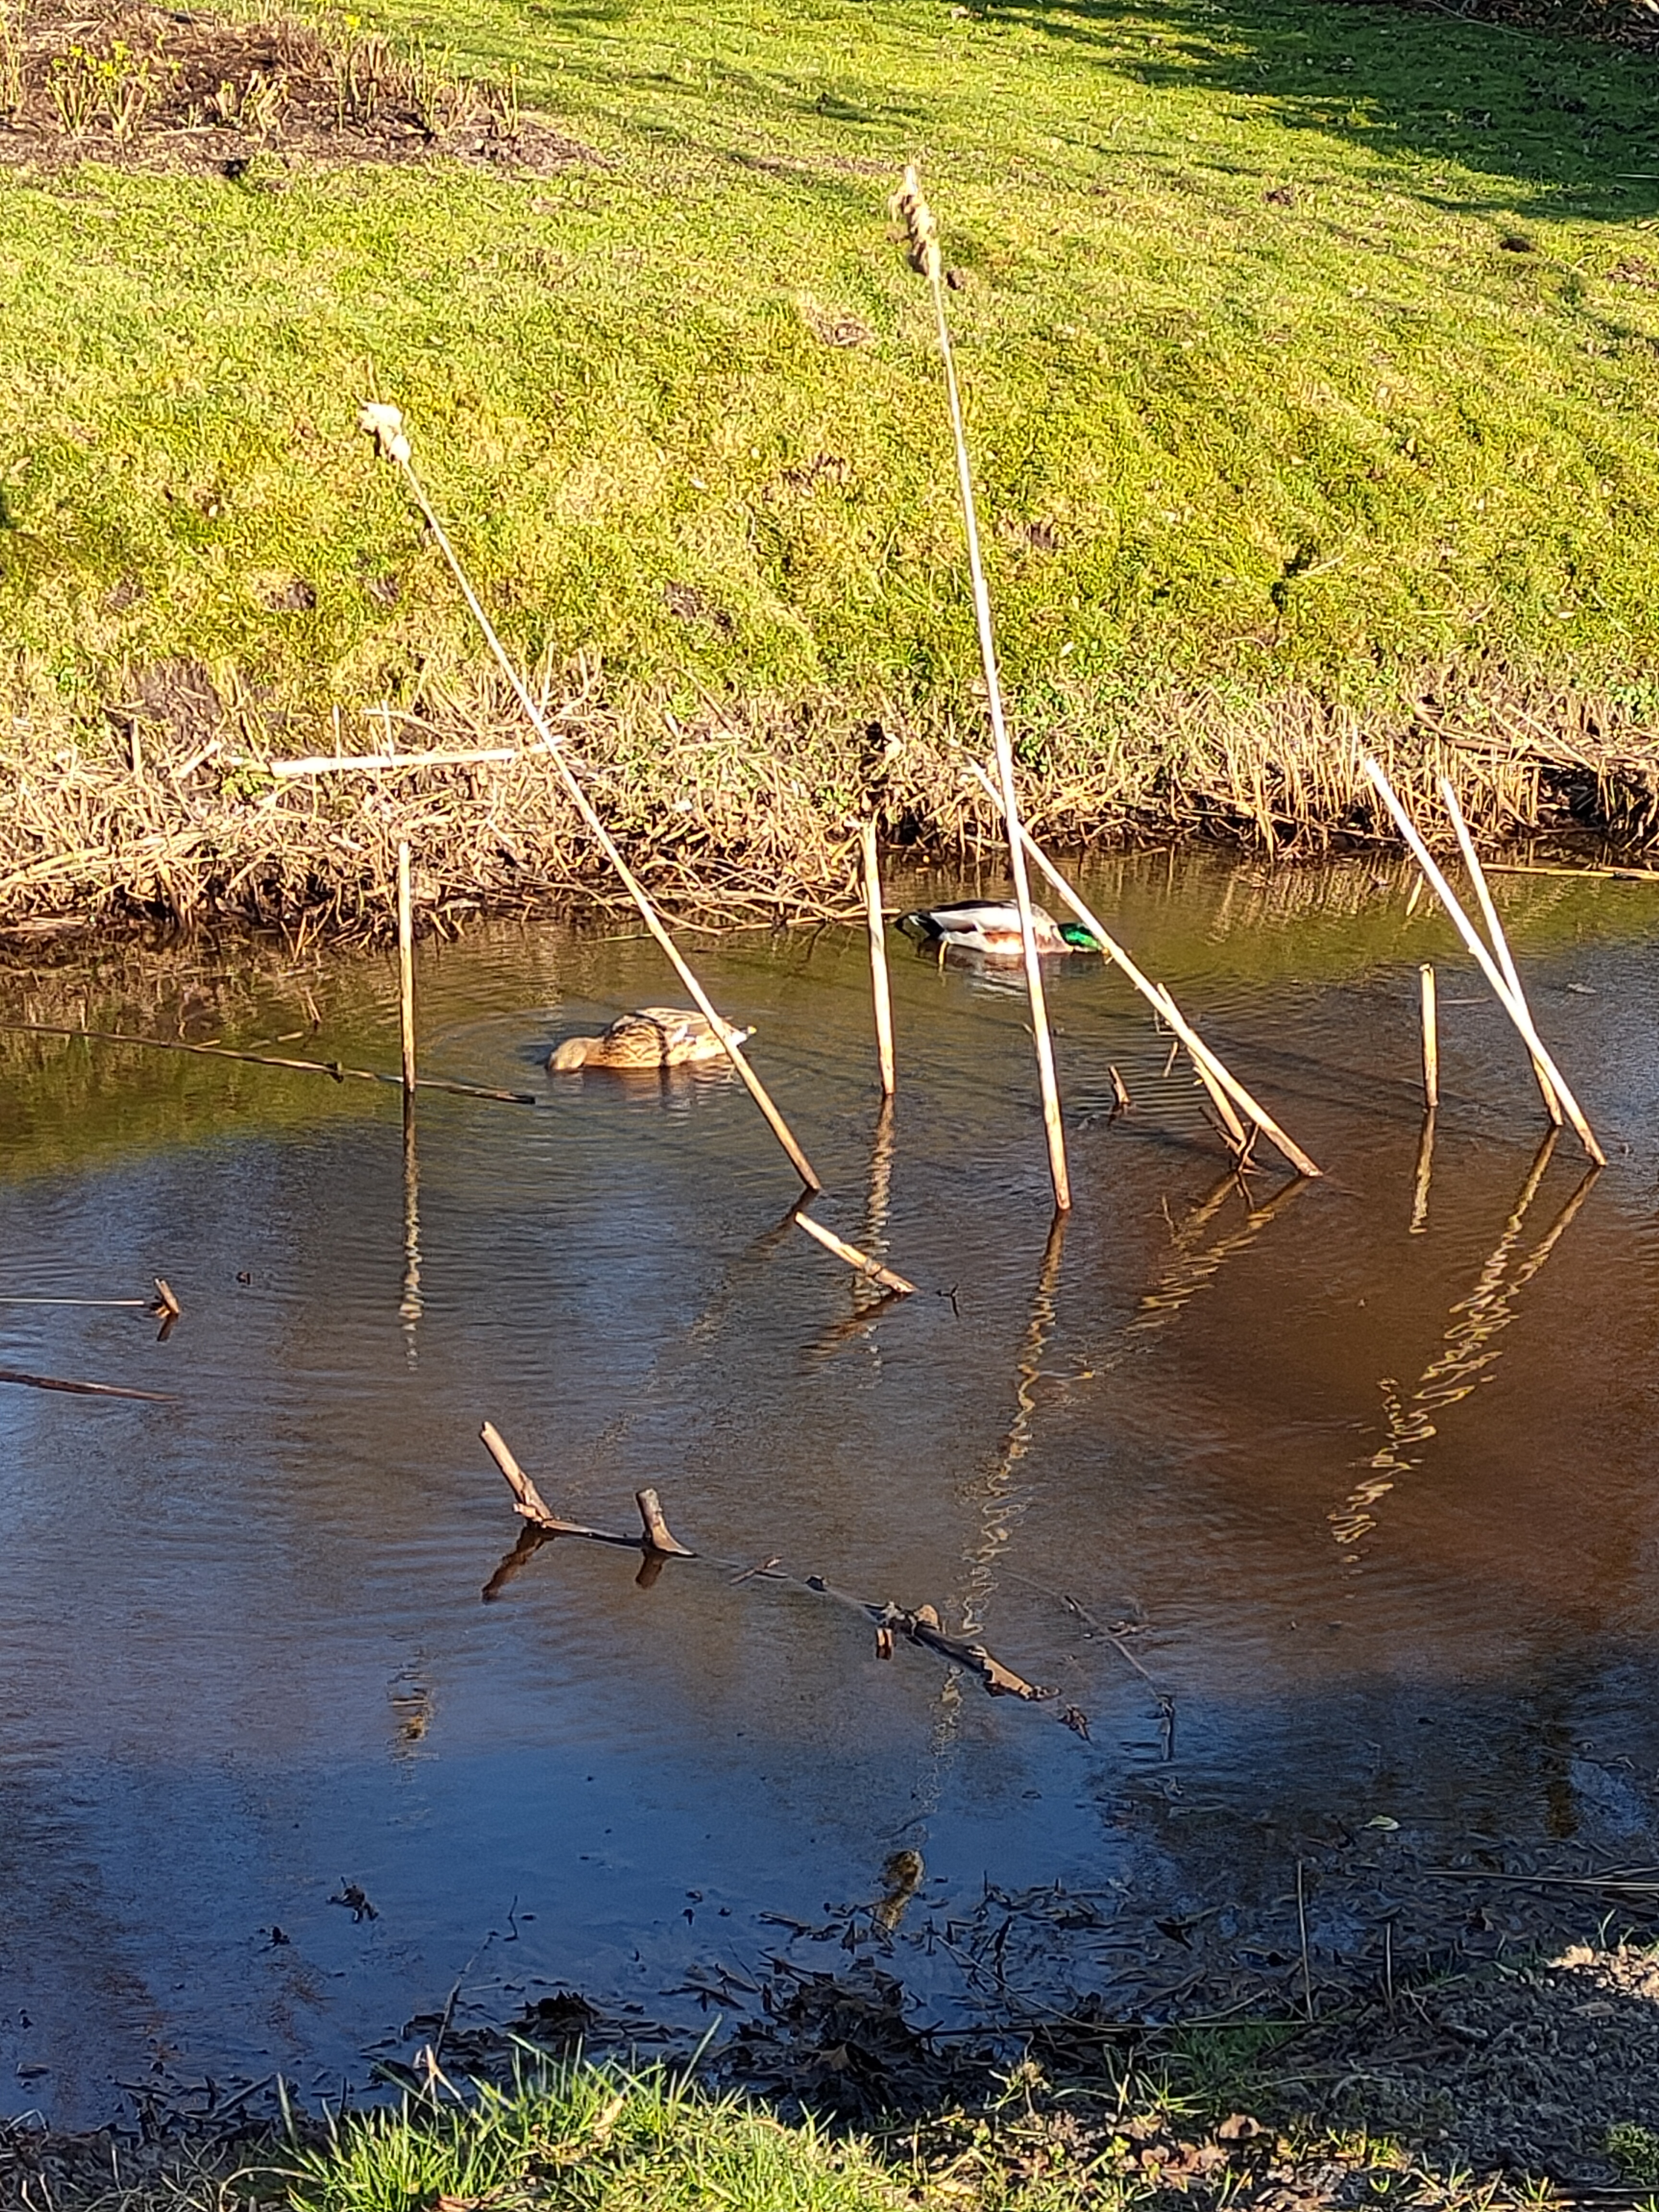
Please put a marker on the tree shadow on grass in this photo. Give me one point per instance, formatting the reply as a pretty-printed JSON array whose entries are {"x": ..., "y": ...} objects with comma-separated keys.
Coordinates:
[{"x": 1522, "y": 120}]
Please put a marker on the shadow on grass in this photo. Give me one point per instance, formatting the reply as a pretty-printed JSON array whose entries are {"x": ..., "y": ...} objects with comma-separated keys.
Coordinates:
[{"x": 1558, "y": 125}]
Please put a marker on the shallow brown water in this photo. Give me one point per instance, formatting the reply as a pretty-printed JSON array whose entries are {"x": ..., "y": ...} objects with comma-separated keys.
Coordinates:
[{"x": 1382, "y": 1501}]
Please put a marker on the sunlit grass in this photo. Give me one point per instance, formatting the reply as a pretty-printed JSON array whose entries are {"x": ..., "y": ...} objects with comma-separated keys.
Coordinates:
[
  {"x": 1263, "y": 387},
  {"x": 585, "y": 2136}
]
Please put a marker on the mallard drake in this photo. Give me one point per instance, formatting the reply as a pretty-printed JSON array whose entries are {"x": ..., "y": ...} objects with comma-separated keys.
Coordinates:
[
  {"x": 985, "y": 926},
  {"x": 650, "y": 1037}
]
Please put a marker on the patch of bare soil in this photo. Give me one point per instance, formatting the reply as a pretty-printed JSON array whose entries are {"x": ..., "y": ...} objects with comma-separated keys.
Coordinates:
[{"x": 154, "y": 87}]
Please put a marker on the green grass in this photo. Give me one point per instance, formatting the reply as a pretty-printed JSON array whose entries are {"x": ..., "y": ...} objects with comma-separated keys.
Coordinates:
[
  {"x": 1223, "y": 438},
  {"x": 583, "y": 2138}
]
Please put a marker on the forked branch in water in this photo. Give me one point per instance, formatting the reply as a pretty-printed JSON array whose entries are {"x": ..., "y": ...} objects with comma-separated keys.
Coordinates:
[{"x": 919, "y": 1626}]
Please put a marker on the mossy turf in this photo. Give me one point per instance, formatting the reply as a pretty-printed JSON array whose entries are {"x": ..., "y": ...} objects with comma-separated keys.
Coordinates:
[{"x": 1303, "y": 342}]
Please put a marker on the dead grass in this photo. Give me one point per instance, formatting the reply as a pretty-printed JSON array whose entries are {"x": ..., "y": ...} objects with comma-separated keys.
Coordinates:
[
  {"x": 137, "y": 85},
  {"x": 171, "y": 810}
]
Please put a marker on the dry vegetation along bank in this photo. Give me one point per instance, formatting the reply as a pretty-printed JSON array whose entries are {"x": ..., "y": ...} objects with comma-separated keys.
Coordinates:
[{"x": 1309, "y": 353}]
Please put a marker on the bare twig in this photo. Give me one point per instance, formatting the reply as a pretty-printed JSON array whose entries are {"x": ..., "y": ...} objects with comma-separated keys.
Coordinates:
[
  {"x": 83, "y": 1389},
  {"x": 919, "y": 1626},
  {"x": 271, "y": 1059}
]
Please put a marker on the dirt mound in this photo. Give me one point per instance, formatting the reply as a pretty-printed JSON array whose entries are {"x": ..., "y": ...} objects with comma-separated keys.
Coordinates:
[{"x": 149, "y": 87}]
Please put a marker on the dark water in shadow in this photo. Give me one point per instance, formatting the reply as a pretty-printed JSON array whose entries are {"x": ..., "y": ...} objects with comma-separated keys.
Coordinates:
[{"x": 1382, "y": 1500}]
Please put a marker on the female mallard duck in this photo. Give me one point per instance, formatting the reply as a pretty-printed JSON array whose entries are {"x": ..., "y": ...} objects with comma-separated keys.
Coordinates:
[
  {"x": 652, "y": 1037},
  {"x": 983, "y": 926}
]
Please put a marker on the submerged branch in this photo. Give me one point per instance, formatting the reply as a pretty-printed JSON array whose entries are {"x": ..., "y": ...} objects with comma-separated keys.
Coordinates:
[{"x": 918, "y": 1625}]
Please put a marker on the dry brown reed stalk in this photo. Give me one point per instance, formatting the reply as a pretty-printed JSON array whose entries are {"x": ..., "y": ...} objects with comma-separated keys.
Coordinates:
[
  {"x": 410, "y": 1303},
  {"x": 1613, "y": 875},
  {"x": 870, "y": 868},
  {"x": 1430, "y": 1037},
  {"x": 913, "y": 211},
  {"x": 734, "y": 818},
  {"x": 1222, "y": 1085},
  {"x": 1514, "y": 1007},
  {"x": 1500, "y": 944},
  {"x": 386, "y": 425},
  {"x": 855, "y": 1258},
  {"x": 406, "y": 968},
  {"x": 379, "y": 763}
]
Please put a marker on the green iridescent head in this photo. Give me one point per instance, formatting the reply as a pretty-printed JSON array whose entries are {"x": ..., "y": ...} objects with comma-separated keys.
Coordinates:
[{"x": 1079, "y": 938}]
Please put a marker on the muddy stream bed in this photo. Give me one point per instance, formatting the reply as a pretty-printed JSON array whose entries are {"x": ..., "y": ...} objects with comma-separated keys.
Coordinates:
[{"x": 1371, "y": 1503}]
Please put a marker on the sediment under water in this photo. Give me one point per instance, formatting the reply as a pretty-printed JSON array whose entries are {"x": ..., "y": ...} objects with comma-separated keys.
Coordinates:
[{"x": 1368, "y": 1477}]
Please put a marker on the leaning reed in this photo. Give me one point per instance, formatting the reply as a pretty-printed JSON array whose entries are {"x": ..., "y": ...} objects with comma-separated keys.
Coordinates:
[{"x": 739, "y": 813}]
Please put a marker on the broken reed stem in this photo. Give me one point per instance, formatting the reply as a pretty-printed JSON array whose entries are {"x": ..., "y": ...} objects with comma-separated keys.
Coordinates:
[
  {"x": 1431, "y": 1039},
  {"x": 657, "y": 1534},
  {"x": 271, "y": 1059},
  {"x": 1159, "y": 1000},
  {"x": 406, "y": 968},
  {"x": 386, "y": 424},
  {"x": 1500, "y": 944},
  {"x": 529, "y": 1501},
  {"x": 855, "y": 1258},
  {"x": 926, "y": 257},
  {"x": 871, "y": 870},
  {"x": 1514, "y": 1007}
]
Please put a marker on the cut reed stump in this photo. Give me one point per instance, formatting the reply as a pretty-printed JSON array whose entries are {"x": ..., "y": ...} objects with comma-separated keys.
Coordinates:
[
  {"x": 406, "y": 968},
  {"x": 870, "y": 869},
  {"x": 1513, "y": 1003},
  {"x": 918, "y": 1624},
  {"x": 913, "y": 211},
  {"x": 1430, "y": 1038}
]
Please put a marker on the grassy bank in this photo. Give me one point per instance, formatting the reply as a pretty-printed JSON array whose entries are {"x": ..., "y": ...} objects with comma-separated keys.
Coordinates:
[
  {"x": 1309, "y": 350},
  {"x": 1360, "y": 2108}
]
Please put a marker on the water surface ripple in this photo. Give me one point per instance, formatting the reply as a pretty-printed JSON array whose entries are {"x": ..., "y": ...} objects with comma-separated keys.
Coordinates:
[{"x": 1376, "y": 1493}]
